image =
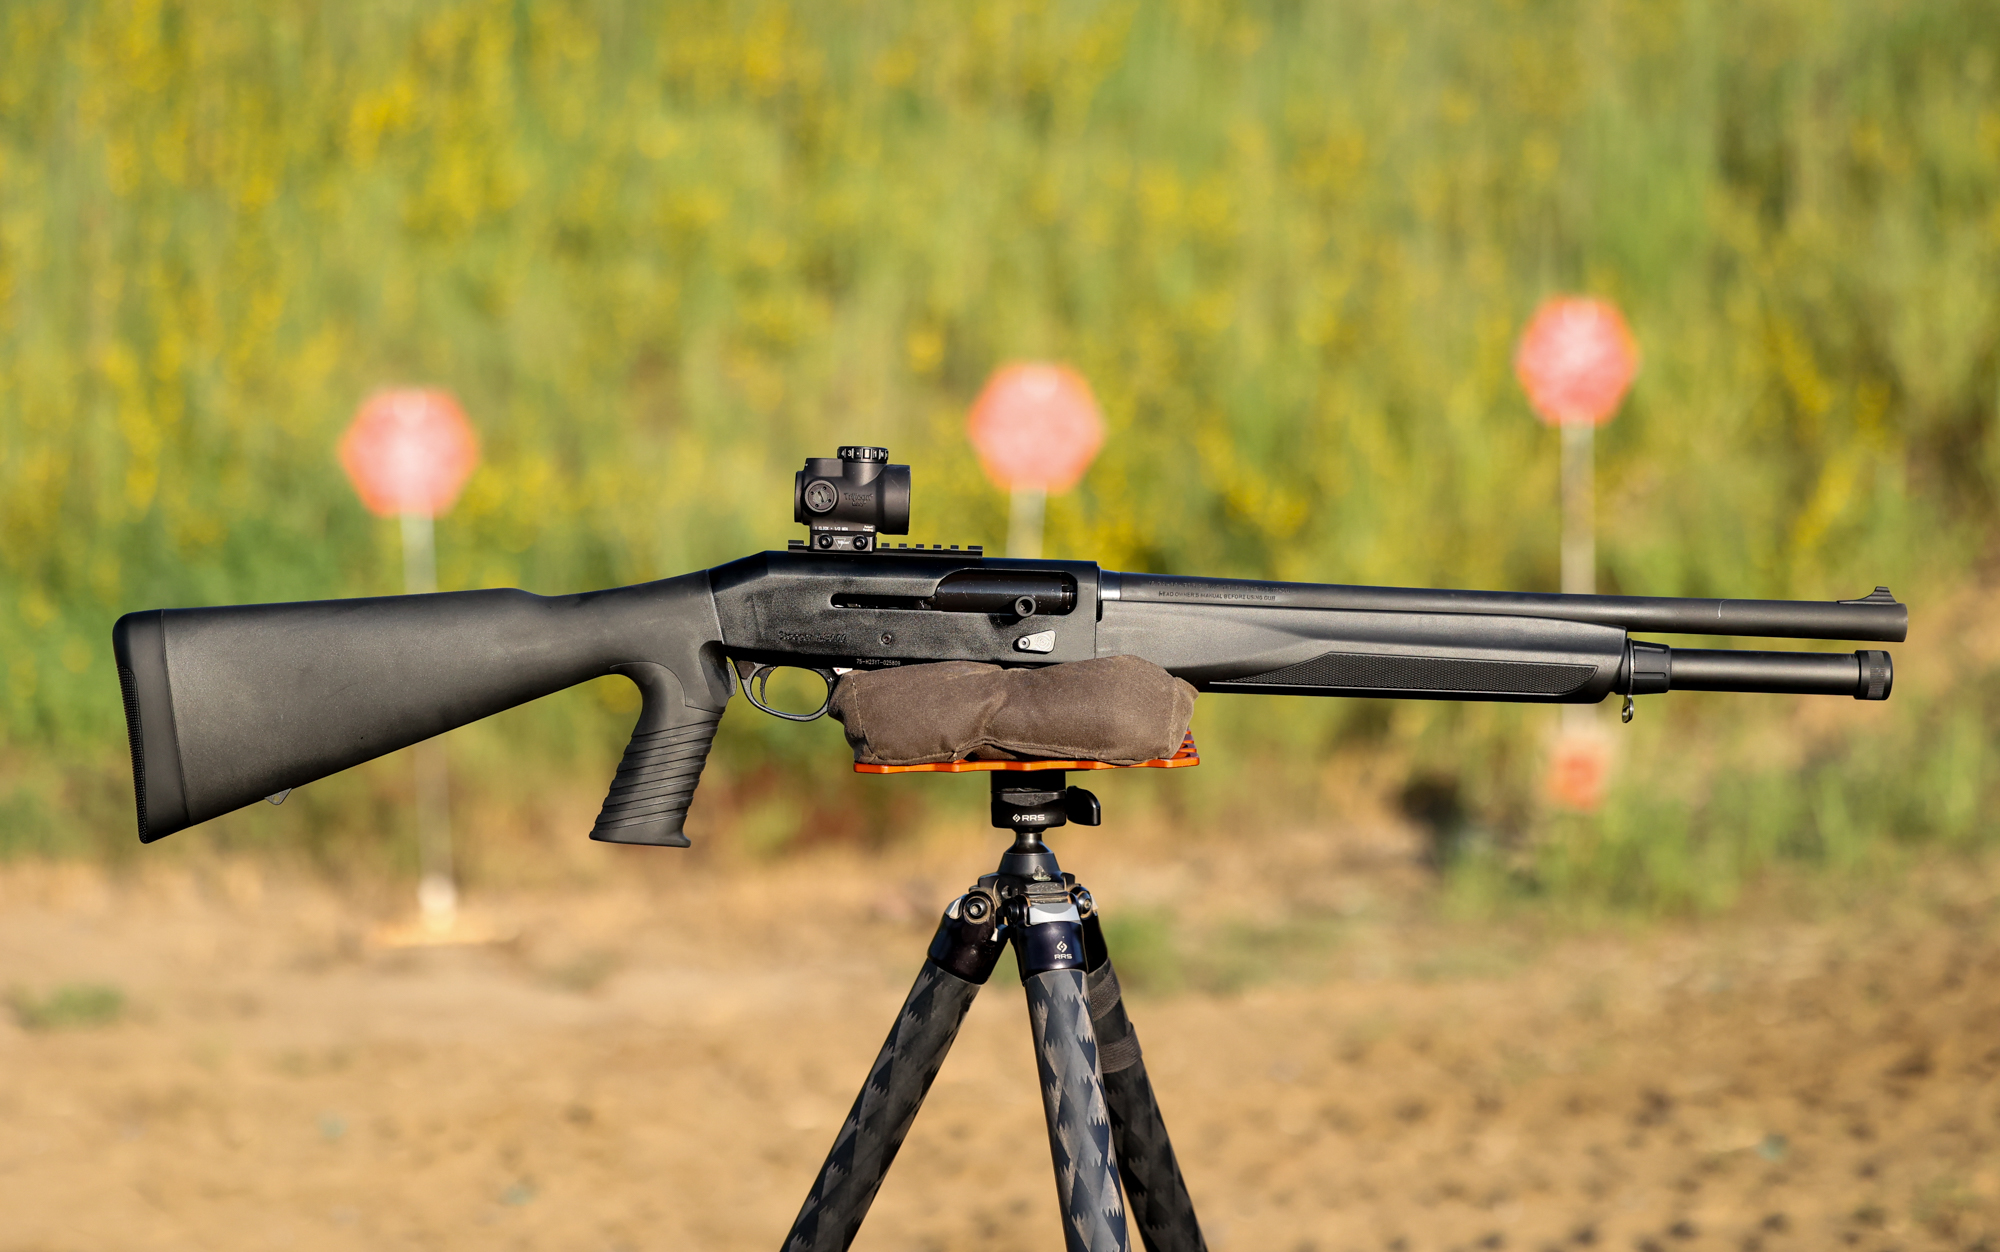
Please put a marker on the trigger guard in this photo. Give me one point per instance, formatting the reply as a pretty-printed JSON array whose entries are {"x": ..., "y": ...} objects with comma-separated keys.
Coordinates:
[{"x": 760, "y": 674}]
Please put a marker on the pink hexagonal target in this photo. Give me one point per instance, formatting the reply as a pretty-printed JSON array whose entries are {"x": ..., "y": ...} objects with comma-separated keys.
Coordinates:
[
  {"x": 1576, "y": 361},
  {"x": 1036, "y": 427},
  {"x": 409, "y": 451}
]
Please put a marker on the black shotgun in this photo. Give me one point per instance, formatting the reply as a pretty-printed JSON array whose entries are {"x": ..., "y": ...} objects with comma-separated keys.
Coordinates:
[{"x": 227, "y": 706}]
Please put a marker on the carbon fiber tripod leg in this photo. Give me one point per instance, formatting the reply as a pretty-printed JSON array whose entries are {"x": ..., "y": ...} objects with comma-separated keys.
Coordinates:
[
  {"x": 961, "y": 958},
  {"x": 1073, "y": 1101},
  {"x": 1161, "y": 1206}
]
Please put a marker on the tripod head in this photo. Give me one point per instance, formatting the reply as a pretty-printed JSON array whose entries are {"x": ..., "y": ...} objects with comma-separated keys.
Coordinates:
[
  {"x": 1030, "y": 807},
  {"x": 1040, "y": 802}
]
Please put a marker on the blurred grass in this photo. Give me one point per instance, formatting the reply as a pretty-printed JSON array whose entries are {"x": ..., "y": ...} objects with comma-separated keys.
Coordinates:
[
  {"x": 663, "y": 252},
  {"x": 70, "y": 1006}
]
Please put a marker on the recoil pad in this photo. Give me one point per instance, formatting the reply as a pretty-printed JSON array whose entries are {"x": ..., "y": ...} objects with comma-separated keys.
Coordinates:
[{"x": 649, "y": 797}]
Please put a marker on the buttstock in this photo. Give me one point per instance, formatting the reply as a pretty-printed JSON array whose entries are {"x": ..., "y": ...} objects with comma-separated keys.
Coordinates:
[{"x": 227, "y": 706}]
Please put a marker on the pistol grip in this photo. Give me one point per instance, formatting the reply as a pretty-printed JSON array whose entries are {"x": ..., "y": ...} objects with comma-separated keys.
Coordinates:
[{"x": 656, "y": 779}]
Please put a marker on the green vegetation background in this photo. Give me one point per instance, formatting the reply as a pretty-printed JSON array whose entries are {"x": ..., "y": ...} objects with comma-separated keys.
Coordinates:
[{"x": 662, "y": 252}]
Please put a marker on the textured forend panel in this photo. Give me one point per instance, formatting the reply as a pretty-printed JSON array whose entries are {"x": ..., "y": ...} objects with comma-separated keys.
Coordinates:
[
  {"x": 1371, "y": 671},
  {"x": 903, "y": 1072},
  {"x": 1079, "y": 1123}
]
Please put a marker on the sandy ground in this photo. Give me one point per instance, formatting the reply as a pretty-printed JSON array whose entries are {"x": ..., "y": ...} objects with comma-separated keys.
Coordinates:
[{"x": 659, "y": 1062}]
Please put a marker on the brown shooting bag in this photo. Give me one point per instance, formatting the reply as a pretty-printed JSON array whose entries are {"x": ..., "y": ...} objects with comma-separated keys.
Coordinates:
[{"x": 1117, "y": 709}]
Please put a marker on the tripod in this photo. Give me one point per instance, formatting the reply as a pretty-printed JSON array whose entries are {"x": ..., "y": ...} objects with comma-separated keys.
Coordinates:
[{"x": 1104, "y": 1125}]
